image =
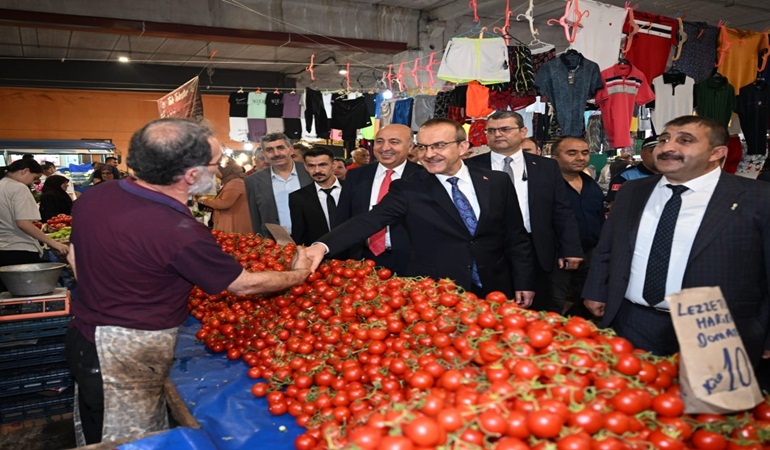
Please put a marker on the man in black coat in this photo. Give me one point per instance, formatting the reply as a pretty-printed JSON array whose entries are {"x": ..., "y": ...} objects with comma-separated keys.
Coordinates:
[
  {"x": 542, "y": 198},
  {"x": 462, "y": 222},
  {"x": 721, "y": 238},
  {"x": 362, "y": 188},
  {"x": 313, "y": 207}
]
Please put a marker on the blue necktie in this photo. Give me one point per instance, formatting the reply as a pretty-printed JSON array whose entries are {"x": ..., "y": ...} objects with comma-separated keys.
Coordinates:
[
  {"x": 469, "y": 218},
  {"x": 660, "y": 252}
]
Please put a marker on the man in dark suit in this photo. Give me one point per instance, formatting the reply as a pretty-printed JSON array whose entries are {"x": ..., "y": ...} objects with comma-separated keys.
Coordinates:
[
  {"x": 542, "y": 198},
  {"x": 313, "y": 207},
  {"x": 462, "y": 222},
  {"x": 721, "y": 237},
  {"x": 268, "y": 190},
  {"x": 362, "y": 191}
]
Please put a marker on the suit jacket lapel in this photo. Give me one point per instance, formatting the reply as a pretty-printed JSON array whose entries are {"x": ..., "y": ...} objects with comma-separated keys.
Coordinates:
[
  {"x": 638, "y": 202},
  {"x": 481, "y": 186},
  {"x": 722, "y": 208},
  {"x": 266, "y": 190},
  {"x": 437, "y": 192},
  {"x": 364, "y": 190}
]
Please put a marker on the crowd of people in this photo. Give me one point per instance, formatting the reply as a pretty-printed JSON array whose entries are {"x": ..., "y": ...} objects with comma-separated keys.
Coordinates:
[{"x": 510, "y": 220}]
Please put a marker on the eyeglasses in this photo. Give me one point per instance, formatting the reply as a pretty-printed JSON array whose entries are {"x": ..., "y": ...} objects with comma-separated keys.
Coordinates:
[
  {"x": 504, "y": 130},
  {"x": 438, "y": 146}
]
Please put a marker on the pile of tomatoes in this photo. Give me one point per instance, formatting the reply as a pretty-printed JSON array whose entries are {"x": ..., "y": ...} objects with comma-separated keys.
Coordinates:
[
  {"x": 366, "y": 360},
  {"x": 59, "y": 221}
]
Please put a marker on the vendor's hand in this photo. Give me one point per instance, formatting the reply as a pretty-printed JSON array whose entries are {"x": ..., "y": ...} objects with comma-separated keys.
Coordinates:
[
  {"x": 316, "y": 253},
  {"x": 766, "y": 354},
  {"x": 596, "y": 308},
  {"x": 570, "y": 263},
  {"x": 524, "y": 298},
  {"x": 301, "y": 261},
  {"x": 59, "y": 247}
]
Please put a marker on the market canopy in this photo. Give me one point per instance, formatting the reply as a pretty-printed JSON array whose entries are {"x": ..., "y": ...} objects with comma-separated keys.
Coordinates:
[{"x": 57, "y": 146}]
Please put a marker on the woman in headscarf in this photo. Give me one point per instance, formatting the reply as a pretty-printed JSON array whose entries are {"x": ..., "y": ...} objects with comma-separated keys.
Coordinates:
[
  {"x": 19, "y": 237},
  {"x": 106, "y": 173},
  {"x": 55, "y": 199},
  {"x": 231, "y": 208}
]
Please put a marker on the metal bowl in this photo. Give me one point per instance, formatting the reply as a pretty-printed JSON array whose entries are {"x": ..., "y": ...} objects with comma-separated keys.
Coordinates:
[{"x": 31, "y": 279}]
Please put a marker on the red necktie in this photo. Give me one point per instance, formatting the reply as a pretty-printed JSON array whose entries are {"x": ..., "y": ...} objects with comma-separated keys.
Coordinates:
[{"x": 377, "y": 240}]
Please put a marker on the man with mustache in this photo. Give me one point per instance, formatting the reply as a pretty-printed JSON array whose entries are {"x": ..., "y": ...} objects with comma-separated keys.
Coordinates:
[
  {"x": 691, "y": 225},
  {"x": 268, "y": 190},
  {"x": 366, "y": 185},
  {"x": 313, "y": 208},
  {"x": 463, "y": 222}
]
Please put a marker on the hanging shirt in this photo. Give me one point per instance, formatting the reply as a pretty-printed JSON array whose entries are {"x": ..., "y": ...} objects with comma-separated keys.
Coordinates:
[
  {"x": 569, "y": 81},
  {"x": 651, "y": 45},
  {"x": 257, "y": 102},
  {"x": 753, "y": 105},
  {"x": 624, "y": 86},
  {"x": 423, "y": 110},
  {"x": 274, "y": 105},
  {"x": 672, "y": 99},
  {"x": 291, "y": 105},
  {"x": 740, "y": 50},
  {"x": 600, "y": 32},
  {"x": 699, "y": 51},
  {"x": 715, "y": 98},
  {"x": 238, "y": 104},
  {"x": 477, "y": 101}
]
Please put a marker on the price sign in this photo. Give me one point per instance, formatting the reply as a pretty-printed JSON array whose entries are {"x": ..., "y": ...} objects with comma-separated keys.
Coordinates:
[{"x": 715, "y": 373}]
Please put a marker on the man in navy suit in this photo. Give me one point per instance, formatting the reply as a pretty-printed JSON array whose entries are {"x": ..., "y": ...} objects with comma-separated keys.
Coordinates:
[
  {"x": 462, "y": 222},
  {"x": 313, "y": 207},
  {"x": 721, "y": 238},
  {"x": 361, "y": 193},
  {"x": 542, "y": 199}
]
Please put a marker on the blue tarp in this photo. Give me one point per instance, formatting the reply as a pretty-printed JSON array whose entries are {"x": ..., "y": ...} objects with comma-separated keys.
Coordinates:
[{"x": 218, "y": 394}]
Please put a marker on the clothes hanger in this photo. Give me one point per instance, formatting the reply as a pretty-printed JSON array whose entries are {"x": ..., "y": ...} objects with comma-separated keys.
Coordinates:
[
  {"x": 276, "y": 91},
  {"x": 240, "y": 90}
]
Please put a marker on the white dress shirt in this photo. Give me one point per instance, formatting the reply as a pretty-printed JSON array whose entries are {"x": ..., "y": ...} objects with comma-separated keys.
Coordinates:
[
  {"x": 466, "y": 187},
  {"x": 522, "y": 190},
  {"x": 281, "y": 190},
  {"x": 379, "y": 177},
  {"x": 694, "y": 202},
  {"x": 322, "y": 197}
]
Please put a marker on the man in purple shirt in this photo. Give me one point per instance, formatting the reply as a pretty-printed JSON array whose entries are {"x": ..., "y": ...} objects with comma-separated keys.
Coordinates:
[{"x": 120, "y": 344}]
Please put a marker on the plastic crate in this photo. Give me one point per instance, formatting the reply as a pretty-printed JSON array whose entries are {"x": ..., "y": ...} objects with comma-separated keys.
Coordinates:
[
  {"x": 53, "y": 378},
  {"x": 21, "y": 330},
  {"x": 48, "y": 351},
  {"x": 19, "y": 410}
]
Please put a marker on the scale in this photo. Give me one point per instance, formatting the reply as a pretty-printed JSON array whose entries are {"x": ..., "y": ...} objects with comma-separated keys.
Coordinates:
[{"x": 56, "y": 303}]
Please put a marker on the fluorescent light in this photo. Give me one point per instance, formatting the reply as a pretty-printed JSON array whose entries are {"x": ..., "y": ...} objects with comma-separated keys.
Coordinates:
[
  {"x": 387, "y": 95},
  {"x": 248, "y": 146},
  {"x": 123, "y": 59},
  {"x": 342, "y": 71}
]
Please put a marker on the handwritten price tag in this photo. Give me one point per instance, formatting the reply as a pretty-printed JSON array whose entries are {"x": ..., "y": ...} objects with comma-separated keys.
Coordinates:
[{"x": 715, "y": 373}]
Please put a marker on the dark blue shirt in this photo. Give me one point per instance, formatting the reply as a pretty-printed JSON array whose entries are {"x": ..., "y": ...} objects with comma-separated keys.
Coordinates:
[{"x": 588, "y": 205}]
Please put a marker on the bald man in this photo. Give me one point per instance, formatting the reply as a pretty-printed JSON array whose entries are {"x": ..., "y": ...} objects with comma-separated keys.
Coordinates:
[
  {"x": 360, "y": 158},
  {"x": 365, "y": 186}
]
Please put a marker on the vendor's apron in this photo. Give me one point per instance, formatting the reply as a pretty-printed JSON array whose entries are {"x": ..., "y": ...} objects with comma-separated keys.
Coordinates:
[{"x": 134, "y": 365}]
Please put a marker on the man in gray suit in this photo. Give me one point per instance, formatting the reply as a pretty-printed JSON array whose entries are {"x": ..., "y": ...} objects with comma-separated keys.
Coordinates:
[
  {"x": 718, "y": 235},
  {"x": 268, "y": 190}
]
